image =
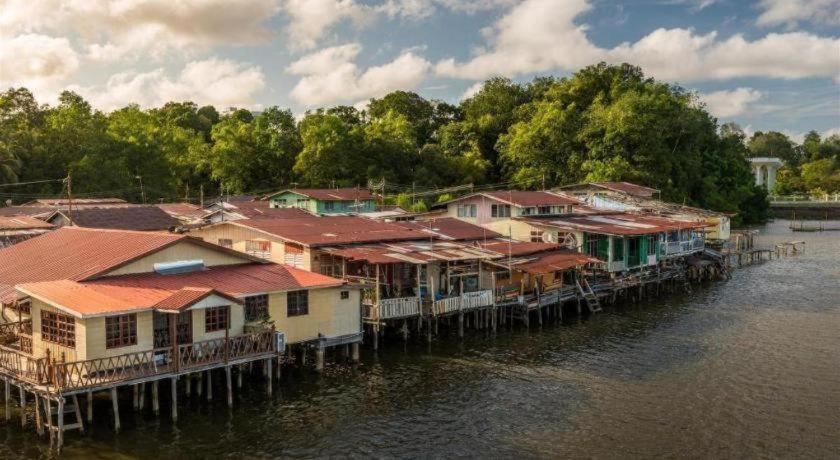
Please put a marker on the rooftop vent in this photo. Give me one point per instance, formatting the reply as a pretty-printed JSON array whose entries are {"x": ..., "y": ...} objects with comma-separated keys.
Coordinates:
[{"x": 179, "y": 266}]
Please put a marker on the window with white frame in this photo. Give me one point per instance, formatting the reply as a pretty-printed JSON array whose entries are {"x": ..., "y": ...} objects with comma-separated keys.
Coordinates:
[{"x": 466, "y": 210}]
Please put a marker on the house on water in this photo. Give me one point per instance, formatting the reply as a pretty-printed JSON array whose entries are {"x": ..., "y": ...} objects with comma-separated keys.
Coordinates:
[{"x": 326, "y": 201}]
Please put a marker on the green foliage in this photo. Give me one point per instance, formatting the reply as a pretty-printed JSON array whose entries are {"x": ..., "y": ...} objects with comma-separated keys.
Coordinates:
[
  {"x": 404, "y": 201},
  {"x": 823, "y": 175},
  {"x": 775, "y": 145},
  {"x": 419, "y": 206}
]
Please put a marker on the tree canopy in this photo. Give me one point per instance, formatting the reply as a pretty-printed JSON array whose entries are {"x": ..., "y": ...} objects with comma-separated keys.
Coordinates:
[{"x": 604, "y": 122}]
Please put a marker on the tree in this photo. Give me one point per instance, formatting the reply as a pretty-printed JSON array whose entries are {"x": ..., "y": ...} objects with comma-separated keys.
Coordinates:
[
  {"x": 775, "y": 145},
  {"x": 821, "y": 176},
  {"x": 331, "y": 153}
]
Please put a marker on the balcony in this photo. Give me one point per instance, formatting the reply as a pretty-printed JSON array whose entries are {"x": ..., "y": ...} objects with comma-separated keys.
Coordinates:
[
  {"x": 678, "y": 248},
  {"x": 103, "y": 372},
  {"x": 466, "y": 301}
]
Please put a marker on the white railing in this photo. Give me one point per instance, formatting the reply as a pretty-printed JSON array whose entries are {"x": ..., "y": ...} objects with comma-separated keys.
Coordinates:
[
  {"x": 476, "y": 299},
  {"x": 448, "y": 305},
  {"x": 682, "y": 247},
  {"x": 399, "y": 308},
  {"x": 617, "y": 266},
  {"x": 824, "y": 198}
]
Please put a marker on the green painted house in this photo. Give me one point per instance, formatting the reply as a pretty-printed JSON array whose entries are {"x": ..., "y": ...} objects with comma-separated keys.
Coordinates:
[
  {"x": 624, "y": 241},
  {"x": 325, "y": 201}
]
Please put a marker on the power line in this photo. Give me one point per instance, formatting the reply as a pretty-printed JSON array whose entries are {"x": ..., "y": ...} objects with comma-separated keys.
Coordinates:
[{"x": 31, "y": 182}]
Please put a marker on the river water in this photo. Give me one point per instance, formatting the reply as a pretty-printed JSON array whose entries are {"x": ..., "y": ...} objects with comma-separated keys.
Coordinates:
[{"x": 739, "y": 369}]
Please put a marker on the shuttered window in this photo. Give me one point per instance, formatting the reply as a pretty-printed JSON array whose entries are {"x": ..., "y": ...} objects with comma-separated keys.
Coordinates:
[
  {"x": 58, "y": 328},
  {"x": 120, "y": 331}
]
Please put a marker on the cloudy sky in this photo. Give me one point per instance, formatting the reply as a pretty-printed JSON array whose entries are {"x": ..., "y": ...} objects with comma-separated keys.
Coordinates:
[{"x": 767, "y": 64}]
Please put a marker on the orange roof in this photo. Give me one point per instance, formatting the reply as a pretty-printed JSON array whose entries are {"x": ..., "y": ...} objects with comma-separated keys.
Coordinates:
[{"x": 126, "y": 293}]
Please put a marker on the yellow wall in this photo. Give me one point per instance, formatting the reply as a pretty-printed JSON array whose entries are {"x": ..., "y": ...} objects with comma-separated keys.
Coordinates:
[
  {"x": 328, "y": 314},
  {"x": 96, "y": 336},
  {"x": 239, "y": 235},
  {"x": 237, "y": 323},
  {"x": 180, "y": 251},
  {"x": 519, "y": 230},
  {"x": 40, "y": 347}
]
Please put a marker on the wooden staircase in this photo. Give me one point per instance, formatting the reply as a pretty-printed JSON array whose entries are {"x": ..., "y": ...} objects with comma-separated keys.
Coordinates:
[
  {"x": 55, "y": 417},
  {"x": 589, "y": 296}
]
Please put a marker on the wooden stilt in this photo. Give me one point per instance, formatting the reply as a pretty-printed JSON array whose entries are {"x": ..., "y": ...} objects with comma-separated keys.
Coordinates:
[
  {"x": 319, "y": 359},
  {"x": 375, "y": 337},
  {"x": 78, "y": 411},
  {"x": 155, "y": 397},
  {"x": 460, "y": 325},
  {"x": 200, "y": 385},
  {"x": 278, "y": 367},
  {"x": 60, "y": 434},
  {"x": 39, "y": 425},
  {"x": 174, "y": 389},
  {"x": 136, "y": 396},
  {"x": 116, "y": 405},
  {"x": 239, "y": 376},
  {"x": 48, "y": 412},
  {"x": 354, "y": 352},
  {"x": 188, "y": 385},
  {"x": 268, "y": 388},
  {"x": 89, "y": 407},
  {"x": 22, "y": 406},
  {"x": 8, "y": 397},
  {"x": 209, "y": 386},
  {"x": 142, "y": 396},
  {"x": 229, "y": 386}
]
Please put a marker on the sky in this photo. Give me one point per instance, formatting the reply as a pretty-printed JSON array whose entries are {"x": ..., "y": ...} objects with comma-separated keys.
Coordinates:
[{"x": 766, "y": 64}]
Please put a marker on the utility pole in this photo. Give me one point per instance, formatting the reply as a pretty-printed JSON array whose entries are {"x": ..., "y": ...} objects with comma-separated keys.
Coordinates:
[
  {"x": 69, "y": 182},
  {"x": 201, "y": 195},
  {"x": 142, "y": 190}
]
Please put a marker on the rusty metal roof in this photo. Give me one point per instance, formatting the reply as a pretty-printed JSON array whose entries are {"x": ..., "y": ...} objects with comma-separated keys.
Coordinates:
[
  {"x": 414, "y": 252},
  {"x": 23, "y": 223},
  {"x": 143, "y": 218},
  {"x": 522, "y": 198},
  {"x": 515, "y": 248},
  {"x": 332, "y": 194},
  {"x": 613, "y": 223},
  {"x": 330, "y": 230},
  {"x": 450, "y": 228},
  {"x": 547, "y": 262}
]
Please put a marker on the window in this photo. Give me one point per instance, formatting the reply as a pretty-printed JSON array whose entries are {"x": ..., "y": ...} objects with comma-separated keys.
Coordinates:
[
  {"x": 529, "y": 211},
  {"x": 618, "y": 249},
  {"x": 632, "y": 250},
  {"x": 120, "y": 331},
  {"x": 258, "y": 248},
  {"x": 216, "y": 319},
  {"x": 569, "y": 208},
  {"x": 58, "y": 328},
  {"x": 544, "y": 210},
  {"x": 345, "y": 295},
  {"x": 280, "y": 203},
  {"x": 23, "y": 307},
  {"x": 536, "y": 236},
  {"x": 297, "y": 303},
  {"x": 651, "y": 249},
  {"x": 466, "y": 210},
  {"x": 226, "y": 242},
  {"x": 302, "y": 203},
  {"x": 500, "y": 210},
  {"x": 592, "y": 246},
  {"x": 26, "y": 344},
  {"x": 256, "y": 307},
  {"x": 329, "y": 206}
]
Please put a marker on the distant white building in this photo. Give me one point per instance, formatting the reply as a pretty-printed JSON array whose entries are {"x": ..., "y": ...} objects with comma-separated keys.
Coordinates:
[{"x": 765, "y": 169}]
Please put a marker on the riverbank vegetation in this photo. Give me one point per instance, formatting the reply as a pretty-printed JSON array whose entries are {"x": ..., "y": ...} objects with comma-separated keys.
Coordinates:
[
  {"x": 812, "y": 167},
  {"x": 603, "y": 123}
]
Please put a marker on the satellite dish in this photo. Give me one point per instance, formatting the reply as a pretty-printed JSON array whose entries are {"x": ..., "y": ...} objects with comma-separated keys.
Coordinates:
[{"x": 567, "y": 240}]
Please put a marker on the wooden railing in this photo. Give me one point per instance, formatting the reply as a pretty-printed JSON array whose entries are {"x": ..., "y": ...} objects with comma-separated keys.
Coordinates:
[
  {"x": 15, "y": 363},
  {"x": 466, "y": 301},
  {"x": 130, "y": 366},
  {"x": 9, "y": 331}
]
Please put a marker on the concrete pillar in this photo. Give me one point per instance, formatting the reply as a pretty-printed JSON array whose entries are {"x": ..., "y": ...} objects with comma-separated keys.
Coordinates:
[
  {"x": 319, "y": 359},
  {"x": 354, "y": 352}
]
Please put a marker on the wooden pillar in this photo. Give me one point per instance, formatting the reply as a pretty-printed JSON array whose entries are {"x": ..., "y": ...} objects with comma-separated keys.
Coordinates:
[
  {"x": 89, "y": 407},
  {"x": 319, "y": 359},
  {"x": 60, "y": 415},
  {"x": 268, "y": 388},
  {"x": 8, "y": 397},
  {"x": 78, "y": 413},
  {"x": 39, "y": 424},
  {"x": 239, "y": 376},
  {"x": 354, "y": 352},
  {"x": 22, "y": 406},
  {"x": 142, "y": 395},
  {"x": 116, "y": 409},
  {"x": 279, "y": 367},
  {"x": 429, "y": 329},
  {"x": 155, "y": 398},
  {"x": 200, "y": 384},
  {"x": 174, "y": 389},
  {"x": 375, "y": 329},
  {"x": 48, "y": 411},
  {"x": 209, "y": 386},
  {"x": 188, "y": 385},
  {"x": 229, "y": 385},
  {"x": 136, "y": 398},
  {"x": 461, "y": 325}
]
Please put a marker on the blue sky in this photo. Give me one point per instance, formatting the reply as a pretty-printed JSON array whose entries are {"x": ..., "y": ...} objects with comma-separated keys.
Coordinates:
[{"x": 768, "y": 64}]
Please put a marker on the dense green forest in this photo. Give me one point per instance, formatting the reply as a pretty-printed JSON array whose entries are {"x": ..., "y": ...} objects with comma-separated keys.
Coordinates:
[{"x": 602, "y": 123}]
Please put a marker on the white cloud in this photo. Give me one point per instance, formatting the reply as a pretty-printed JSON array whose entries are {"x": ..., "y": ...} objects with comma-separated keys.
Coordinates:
[
  {"x": 39, "y": 62},
  {"x": 729, "y": 103},
  {"x": 790, "y": 12},
  {"x": 421, "y": 9},
  {"x": 120, "y": 28},
  {"x": 330, "y": 75},
  {"x": 541, "y": 35},
  {"x": 472, "y": 90},
  {"x": 310, "y": 19},
  {"x": 220, "y": 82}
]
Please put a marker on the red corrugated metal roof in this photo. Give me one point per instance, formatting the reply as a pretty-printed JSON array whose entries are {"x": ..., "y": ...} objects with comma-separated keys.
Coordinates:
[
  {"x": 530, "y": 198},
  {"x": 412, "y": 252},
  {"x": 518, "y": 248},
  {"x": 554, "y": 261},
  {"x": 328, "y": 230},
  {"x": 628, "y": 188},
  {"x": 185, "y": 298},
  {"x": 450, "y": 228},
  {"x": 144, "y": 218},
  {"x": 75, "y": 201}
]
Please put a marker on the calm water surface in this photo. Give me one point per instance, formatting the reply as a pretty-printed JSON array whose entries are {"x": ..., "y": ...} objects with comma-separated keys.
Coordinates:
[{"x": 745, "y": 368}]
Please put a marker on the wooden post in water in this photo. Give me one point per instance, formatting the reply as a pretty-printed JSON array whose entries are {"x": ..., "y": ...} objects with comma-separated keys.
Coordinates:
[
  {"x": 354, "y": 352},
  {"x": 78, "y": 413},
  {"x": 39, "y": 426},
  {"x": 115, "y": 403},
  {"x": 174, "y": 389},
  {"x": 188, "y": 385},
  {"x": 155, "y": 398},
  {"x": 229, "y": 385},
  {"x": 269, "y": 381},
  {"x": 22, "y": 406},
  {"x": 460, "y": 325},
  {"x": 142, "y": 395},
  {"x": 200, "y": 384},
  {"x": 60, "y": 434},
  {"x": 319, "y": 360},
  {"x": 209, "y": 386},
  {"x": 8, "y": 397},
  {"x": 89, "y": 407},
  {"x": 136, "y": 397},
  {"x": 239, "y": 376}
]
